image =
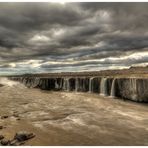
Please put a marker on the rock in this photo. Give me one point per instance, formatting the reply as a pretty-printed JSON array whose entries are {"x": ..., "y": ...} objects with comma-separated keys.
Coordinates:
[
  {"x": 13, "y": 143},
  {"x": 1, "y": 127},
  {"x": 5, "y": 142},
  {"x": 22, "y": 136},
  {"x": 18, "y": 119},
  {"x": 1, "y": 137},
  {"x": 1, "y": 85},
  {"x": 4, "y": 117},
  {"x": 22, "y": 143}
]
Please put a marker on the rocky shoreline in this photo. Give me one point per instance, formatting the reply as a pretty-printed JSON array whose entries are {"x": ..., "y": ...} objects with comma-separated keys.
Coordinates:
[{"x": 18, "y": 139}]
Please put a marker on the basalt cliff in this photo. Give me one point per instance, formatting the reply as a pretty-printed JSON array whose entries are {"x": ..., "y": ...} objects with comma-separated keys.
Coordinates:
[{"x": 131, "y": 84}]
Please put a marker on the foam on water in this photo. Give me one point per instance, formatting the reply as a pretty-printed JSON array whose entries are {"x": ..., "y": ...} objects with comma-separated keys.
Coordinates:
[{"x": 7, "y": 82}]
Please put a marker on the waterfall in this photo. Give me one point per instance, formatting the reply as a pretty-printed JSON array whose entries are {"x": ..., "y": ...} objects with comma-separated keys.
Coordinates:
[
  {"x": 112, "y": 94},
  {"x": 103, "y": 86},
  {"x": 90, "y": 84},
  {"x": 133, "y": 87},
  {"x": 76, "y": 84},
  {"x": 61, "y": 83},
  {"x": 83, "y": 84},
  {"x": 64, "y": 84},
  {"x": 56, "y": 84},
  {"x": 68, "y": 84},
  {"x": 35, "y": 82}
]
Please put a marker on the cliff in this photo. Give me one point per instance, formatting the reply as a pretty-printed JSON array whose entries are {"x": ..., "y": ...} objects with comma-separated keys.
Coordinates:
[{"x": 132, "y": 88}]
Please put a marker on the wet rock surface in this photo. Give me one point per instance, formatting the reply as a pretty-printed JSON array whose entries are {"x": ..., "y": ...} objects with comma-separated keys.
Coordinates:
[
  {"x": 1, "y": 137},
  {"x": 22, "y": 136},
  {"x": 5, "y": 142},
  {"x": 19, "y": 139},
  {"x": 131, "y": 88},
  {"x": 4, "y": 117},
  {"x": 1, "y": 127}
]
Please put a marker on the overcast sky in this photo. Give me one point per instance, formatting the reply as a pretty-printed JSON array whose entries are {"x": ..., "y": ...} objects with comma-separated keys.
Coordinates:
[{"x": 59, "y": 37}]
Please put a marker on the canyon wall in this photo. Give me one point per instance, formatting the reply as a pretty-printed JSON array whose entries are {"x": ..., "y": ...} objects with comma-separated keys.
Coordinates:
[{"x": 135, "y": 89}]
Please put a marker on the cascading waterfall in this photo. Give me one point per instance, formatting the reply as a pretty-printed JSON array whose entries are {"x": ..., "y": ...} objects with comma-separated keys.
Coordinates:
[
  {"x": 90, "y": 84},
  {"x": 35, "y": 82},
  {"x": 64, "y": 84},
  {"x": 112, "y": 93},
  {"x": 103, "y": 87},
  {"x": 83, "y": 83},
  {"x": 68, "y": 85},
  {"x": 133, "y": 87},
  {"x": 56, "y": 84},
  {"x": 61, "y": 83},
  {"x": 76, "y": 84}
]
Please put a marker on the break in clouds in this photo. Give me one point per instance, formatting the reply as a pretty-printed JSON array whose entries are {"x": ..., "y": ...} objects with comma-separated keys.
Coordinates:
[{"x": 55, "y": 37}]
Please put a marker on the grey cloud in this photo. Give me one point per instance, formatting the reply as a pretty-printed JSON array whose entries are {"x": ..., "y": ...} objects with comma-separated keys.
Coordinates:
[{"x": 72, "y": 32}]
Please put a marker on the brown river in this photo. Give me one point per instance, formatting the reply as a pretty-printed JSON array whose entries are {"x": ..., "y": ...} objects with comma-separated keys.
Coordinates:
[{"x": 71, "y": 118}]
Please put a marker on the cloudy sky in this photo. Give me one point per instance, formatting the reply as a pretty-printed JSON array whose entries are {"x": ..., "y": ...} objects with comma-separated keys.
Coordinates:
[{"x": 59, "y": 37}]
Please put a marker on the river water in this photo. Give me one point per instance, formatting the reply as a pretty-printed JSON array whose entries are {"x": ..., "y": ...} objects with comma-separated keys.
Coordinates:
[{"x": 71, "y": 118}]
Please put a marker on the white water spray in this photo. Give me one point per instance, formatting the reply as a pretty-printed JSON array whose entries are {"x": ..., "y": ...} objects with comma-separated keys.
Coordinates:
[{"x": 7, "y": 82}]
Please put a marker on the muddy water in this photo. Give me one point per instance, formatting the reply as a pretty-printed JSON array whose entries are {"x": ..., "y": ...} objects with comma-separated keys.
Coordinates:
[{"x": 70, "y": 118}]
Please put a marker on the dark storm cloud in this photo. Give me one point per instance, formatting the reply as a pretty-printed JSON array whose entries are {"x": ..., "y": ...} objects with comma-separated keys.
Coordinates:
[{"x": 72, "y": 32}]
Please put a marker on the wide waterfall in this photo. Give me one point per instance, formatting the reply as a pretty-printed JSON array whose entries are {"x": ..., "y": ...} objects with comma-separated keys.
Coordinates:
[
  {"x": 112, "y": 93},
  {"x": 103, "y": 86},
  {"x": 135, "y": 89}
]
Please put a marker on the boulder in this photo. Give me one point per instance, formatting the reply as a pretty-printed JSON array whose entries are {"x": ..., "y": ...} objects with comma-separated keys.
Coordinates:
[
  {"x": 1, "y": 137},
  {"x": 23, "y": 136},
  {"x": 1, "y": 127},
  {"x": 4, "y": 117},
  {"x": 5, "y": 142}
]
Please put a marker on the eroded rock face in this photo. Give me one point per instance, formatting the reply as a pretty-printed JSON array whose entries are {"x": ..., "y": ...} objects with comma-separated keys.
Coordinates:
[{"x": 135, "y": 89}]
